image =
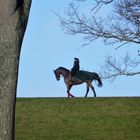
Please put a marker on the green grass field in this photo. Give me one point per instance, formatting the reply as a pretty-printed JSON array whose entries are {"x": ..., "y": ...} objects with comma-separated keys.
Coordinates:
[{"x": 78, "y": 119}]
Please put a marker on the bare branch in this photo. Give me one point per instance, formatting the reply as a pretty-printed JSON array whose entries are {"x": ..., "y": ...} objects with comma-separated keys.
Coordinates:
[
  {"x": 120, "y": 28},
  {"x": 123, "y": 67},
  {"x": 99, "y": 4}
]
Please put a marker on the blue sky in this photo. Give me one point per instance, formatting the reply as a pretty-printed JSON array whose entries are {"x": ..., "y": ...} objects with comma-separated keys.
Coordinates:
[{"x": 46, "y": 47}]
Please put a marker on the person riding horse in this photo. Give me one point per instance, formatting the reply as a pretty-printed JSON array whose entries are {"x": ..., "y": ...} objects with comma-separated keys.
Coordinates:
[
  {"x": 75, "y": 67},
  {"x": 85, "y": 77}
]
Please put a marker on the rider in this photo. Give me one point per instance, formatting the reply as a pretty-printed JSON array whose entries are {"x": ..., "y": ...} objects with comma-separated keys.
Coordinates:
[{"x": 75, "y": 67}]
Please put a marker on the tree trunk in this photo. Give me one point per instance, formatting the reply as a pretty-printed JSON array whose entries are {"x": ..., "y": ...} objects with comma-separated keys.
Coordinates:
[{"x": 13, "y": 20}]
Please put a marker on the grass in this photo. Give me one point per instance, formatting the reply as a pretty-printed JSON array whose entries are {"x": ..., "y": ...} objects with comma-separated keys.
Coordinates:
[{"x": 78, "y": 119}]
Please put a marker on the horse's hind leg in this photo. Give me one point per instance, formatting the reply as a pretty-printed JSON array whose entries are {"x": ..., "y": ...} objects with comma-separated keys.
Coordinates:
[
  {"x": 87, "y": 90},
  {"x": 93, "y": 90}
]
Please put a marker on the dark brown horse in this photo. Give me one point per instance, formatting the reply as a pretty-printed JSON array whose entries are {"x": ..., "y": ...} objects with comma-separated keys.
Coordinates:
[{"x": 81, "y": 77}]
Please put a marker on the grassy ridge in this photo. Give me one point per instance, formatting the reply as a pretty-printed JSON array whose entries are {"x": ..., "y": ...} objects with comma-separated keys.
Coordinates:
[{"x": 78, "y": 119}]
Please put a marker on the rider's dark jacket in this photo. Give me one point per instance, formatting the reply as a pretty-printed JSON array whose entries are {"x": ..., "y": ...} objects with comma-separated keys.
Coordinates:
[{"x": 75, "y": 68}]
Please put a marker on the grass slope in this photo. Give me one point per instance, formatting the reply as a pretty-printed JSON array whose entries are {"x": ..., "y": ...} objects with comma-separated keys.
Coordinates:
[{"x": 78, "y": 119}]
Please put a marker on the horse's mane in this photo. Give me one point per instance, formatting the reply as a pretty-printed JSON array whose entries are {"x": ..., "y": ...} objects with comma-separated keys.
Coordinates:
[{"x": 63, "y": 68}]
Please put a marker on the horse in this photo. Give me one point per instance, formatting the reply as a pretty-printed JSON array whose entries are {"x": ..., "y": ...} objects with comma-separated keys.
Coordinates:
[{"x": 80, "y": 78}]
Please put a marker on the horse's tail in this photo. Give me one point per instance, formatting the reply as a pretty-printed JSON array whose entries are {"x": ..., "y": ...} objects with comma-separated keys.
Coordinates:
[{"x": 97, "y": 77}]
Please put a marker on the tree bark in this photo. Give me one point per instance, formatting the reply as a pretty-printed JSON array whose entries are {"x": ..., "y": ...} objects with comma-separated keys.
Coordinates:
[{"x": 13, "y": 20}]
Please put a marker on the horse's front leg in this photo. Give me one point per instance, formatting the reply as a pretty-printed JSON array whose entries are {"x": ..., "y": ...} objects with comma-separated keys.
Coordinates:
[{"x": 69, "y": 86}]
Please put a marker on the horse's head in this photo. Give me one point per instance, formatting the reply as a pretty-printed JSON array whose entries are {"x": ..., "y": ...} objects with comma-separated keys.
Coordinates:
[
  {"x": 61, "y": 71},
  {"x": 57, "y": 74}
]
